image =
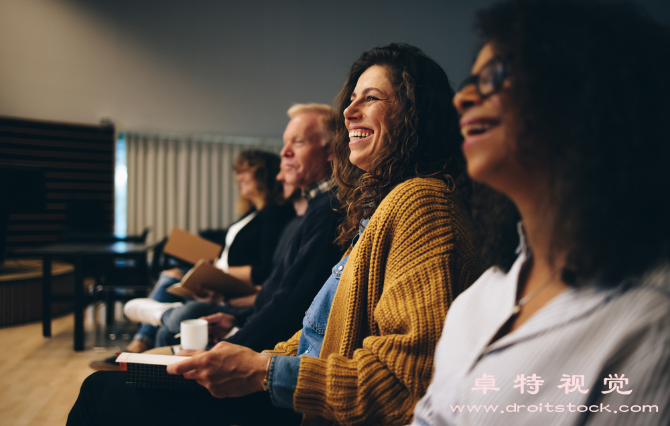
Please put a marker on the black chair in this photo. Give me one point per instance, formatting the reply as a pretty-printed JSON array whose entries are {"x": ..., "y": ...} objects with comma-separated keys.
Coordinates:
[
  {"x": 126, "y": 280},
  {"x": 87, "y": 222},
  {"x": 122, "y": 279}
]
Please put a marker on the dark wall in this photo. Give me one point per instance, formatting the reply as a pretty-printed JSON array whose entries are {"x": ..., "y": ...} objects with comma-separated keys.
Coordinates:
[
  {"x": 210, "y": 66},
  {"x": 77, "y": 162}
]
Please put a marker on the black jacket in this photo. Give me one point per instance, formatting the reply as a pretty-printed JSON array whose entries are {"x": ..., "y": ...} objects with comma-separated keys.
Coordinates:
[
  {"x": 255, "y": 243},
  {"x": 286, "y": 295}
]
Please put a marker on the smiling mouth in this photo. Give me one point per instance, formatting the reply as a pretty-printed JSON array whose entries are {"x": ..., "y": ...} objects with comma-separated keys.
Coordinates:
[
  {"x": 355, "y": 135},
  {"x": 478, "y": 128}
]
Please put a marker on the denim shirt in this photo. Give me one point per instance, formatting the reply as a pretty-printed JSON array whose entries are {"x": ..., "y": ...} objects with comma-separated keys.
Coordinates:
[{"x": 283, "y": 371}]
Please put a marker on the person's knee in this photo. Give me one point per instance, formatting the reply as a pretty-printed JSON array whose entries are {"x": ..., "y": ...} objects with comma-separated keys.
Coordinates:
[
  {"x": 100, "y": 396},
  {"x": 92, "y": 389},
  {"x": 94, "y": 383},
  {"x": 165, "y": 281},
  {"x": 172, "y": 318},
  {"x": 165, "y": 337},
  {"x": 160, "y": 293},
  {"x": 100, "y": 381}
]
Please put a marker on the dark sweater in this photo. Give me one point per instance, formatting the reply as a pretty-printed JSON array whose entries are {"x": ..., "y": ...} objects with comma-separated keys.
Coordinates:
[
  {"x": 285, "y": 240},
  {"x": 255, "y": 243},
  {"x": 281, "y": 304}
]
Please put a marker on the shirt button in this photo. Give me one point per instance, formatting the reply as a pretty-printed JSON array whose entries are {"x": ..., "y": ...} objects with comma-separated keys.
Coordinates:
[{"x": 339, "y": 268}]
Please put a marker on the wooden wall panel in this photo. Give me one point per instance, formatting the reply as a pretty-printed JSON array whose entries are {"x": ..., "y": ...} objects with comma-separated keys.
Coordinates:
[
  {"x": 21, "y": 290},
  {"x": 78, "y": 162}
]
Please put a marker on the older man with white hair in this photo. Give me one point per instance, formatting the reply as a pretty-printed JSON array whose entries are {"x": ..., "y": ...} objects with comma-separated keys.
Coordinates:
[{"x": 279, "y": 306}]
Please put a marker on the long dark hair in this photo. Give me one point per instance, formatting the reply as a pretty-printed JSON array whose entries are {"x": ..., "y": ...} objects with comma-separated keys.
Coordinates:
[
  {"x": 423, "y": 138},
  {"x": 590, "y": 82},
  {"x": 265, "y": 166}
]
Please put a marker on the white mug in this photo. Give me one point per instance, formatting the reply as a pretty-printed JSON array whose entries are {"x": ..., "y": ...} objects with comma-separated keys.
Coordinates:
[{"x": 193, "y": 334}]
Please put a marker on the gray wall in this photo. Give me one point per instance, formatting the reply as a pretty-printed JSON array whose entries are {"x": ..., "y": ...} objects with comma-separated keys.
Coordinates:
[{"x": 216, "y": 66}]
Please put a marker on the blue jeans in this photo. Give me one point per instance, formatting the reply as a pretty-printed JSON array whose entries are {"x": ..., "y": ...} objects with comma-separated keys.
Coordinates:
[
  {"x": 147, "y": 332},
  {"x": 172, "y": 318}
]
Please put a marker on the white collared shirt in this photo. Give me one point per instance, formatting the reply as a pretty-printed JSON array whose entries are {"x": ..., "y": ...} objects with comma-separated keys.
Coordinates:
[
  {"x": 579, "y": 338},
  {"x": 232, "y": 232}
]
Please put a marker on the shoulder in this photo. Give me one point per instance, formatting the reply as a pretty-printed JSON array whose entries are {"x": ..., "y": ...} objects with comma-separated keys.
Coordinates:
[
  {"x": 491, "y": 287},
  {"x": 270, "y": 210},
  {"x": 656, "y": 282},
  {"x": 284, "y": 210},
  {"x": 324, "y": 203},
  {"x": 276, "y": 213},
  {"x": 420, "y": 187},
  {"x": 420, "y": 215},
  {"x": 646, "y": 303},
  {"x": 321, "y": 217},
  {"x": 418, "y": 190},
  {"x": 422, "y": 199}
]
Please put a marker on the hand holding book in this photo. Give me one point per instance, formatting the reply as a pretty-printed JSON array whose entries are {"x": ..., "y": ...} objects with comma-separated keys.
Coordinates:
[
  {"x": 149, "y": 371},
  {"x": 208, "y": 296},
  {"x": 227, "y": 370},
  {"x": 204, "y": 274}
]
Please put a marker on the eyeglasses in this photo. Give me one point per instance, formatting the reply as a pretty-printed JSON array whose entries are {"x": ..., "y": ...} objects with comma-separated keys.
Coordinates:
[{"x": 490, "y": 78}]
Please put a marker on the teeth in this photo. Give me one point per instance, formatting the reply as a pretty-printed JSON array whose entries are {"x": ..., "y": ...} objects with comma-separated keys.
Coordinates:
[
  {"x": 359, "y": 134},
  {"x": 479, "y": 127}
]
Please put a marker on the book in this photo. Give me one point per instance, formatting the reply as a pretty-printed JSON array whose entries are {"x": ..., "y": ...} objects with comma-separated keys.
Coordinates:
[
  {"x": 190, "y": 248},
  {"x": 204, "y": 274},
  {"x": 150, "y": 371}
]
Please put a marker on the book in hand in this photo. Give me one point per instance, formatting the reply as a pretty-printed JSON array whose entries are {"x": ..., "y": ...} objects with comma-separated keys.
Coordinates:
[
  {"x": 150, "y": 371},
  {"x": 204, "y": 274},
  {"x": 190, "y": 248}
]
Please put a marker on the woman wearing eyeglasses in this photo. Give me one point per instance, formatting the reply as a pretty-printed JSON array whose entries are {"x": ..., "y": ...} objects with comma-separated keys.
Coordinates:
[{"x": 562, "y": 124}]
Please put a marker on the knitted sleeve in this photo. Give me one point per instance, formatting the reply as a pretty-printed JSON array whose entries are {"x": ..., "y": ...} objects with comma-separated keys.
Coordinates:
[
  {"x": 409, "y": 281},
  {"x": 289, "y": 347}
]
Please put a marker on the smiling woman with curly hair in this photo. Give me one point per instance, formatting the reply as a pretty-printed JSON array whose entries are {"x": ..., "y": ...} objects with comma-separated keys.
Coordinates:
[
  {"x": 365, "y": 351},
  {"x": 422, "y": 138}
]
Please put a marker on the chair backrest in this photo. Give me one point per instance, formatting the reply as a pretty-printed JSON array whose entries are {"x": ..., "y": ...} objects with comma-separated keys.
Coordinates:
[
  {"x": 158, "y": 259},
  {"x": 136, "y": 238}
]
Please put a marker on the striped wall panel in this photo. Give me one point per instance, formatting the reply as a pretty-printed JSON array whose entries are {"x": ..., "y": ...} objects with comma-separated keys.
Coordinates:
[
  {"x": 78, "y": 164},
  {"x": 185, "y": 181}
]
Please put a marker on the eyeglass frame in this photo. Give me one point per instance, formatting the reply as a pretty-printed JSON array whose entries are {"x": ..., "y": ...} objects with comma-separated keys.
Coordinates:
[{"x": 475, "y": 78}]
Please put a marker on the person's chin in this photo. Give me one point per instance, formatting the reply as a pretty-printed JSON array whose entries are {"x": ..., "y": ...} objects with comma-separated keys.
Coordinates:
[
  {"x": 298, "y": 183},
  {"x": 355, "y": 158},
  {"x": 361, "y": 165},
  {"x": 484, "y": 170}
]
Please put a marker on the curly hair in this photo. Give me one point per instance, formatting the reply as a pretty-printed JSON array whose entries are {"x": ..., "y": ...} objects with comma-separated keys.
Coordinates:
[
  {"x": 495, "y": 219},
  {"x": 590, "y": 83},
  {"x": 265, "y": 166},
  {"x": 423, "y": 138}
]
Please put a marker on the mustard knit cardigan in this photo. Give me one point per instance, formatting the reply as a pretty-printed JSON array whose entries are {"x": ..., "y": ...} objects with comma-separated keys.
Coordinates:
[{"x": 415, "y": 255}]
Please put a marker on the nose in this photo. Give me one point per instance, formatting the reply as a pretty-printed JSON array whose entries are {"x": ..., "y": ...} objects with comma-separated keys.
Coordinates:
[
  {"x": 466, "y": 98},
  {"x": 352, "y": 112},
  {"x": 286, "y": 152}
]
